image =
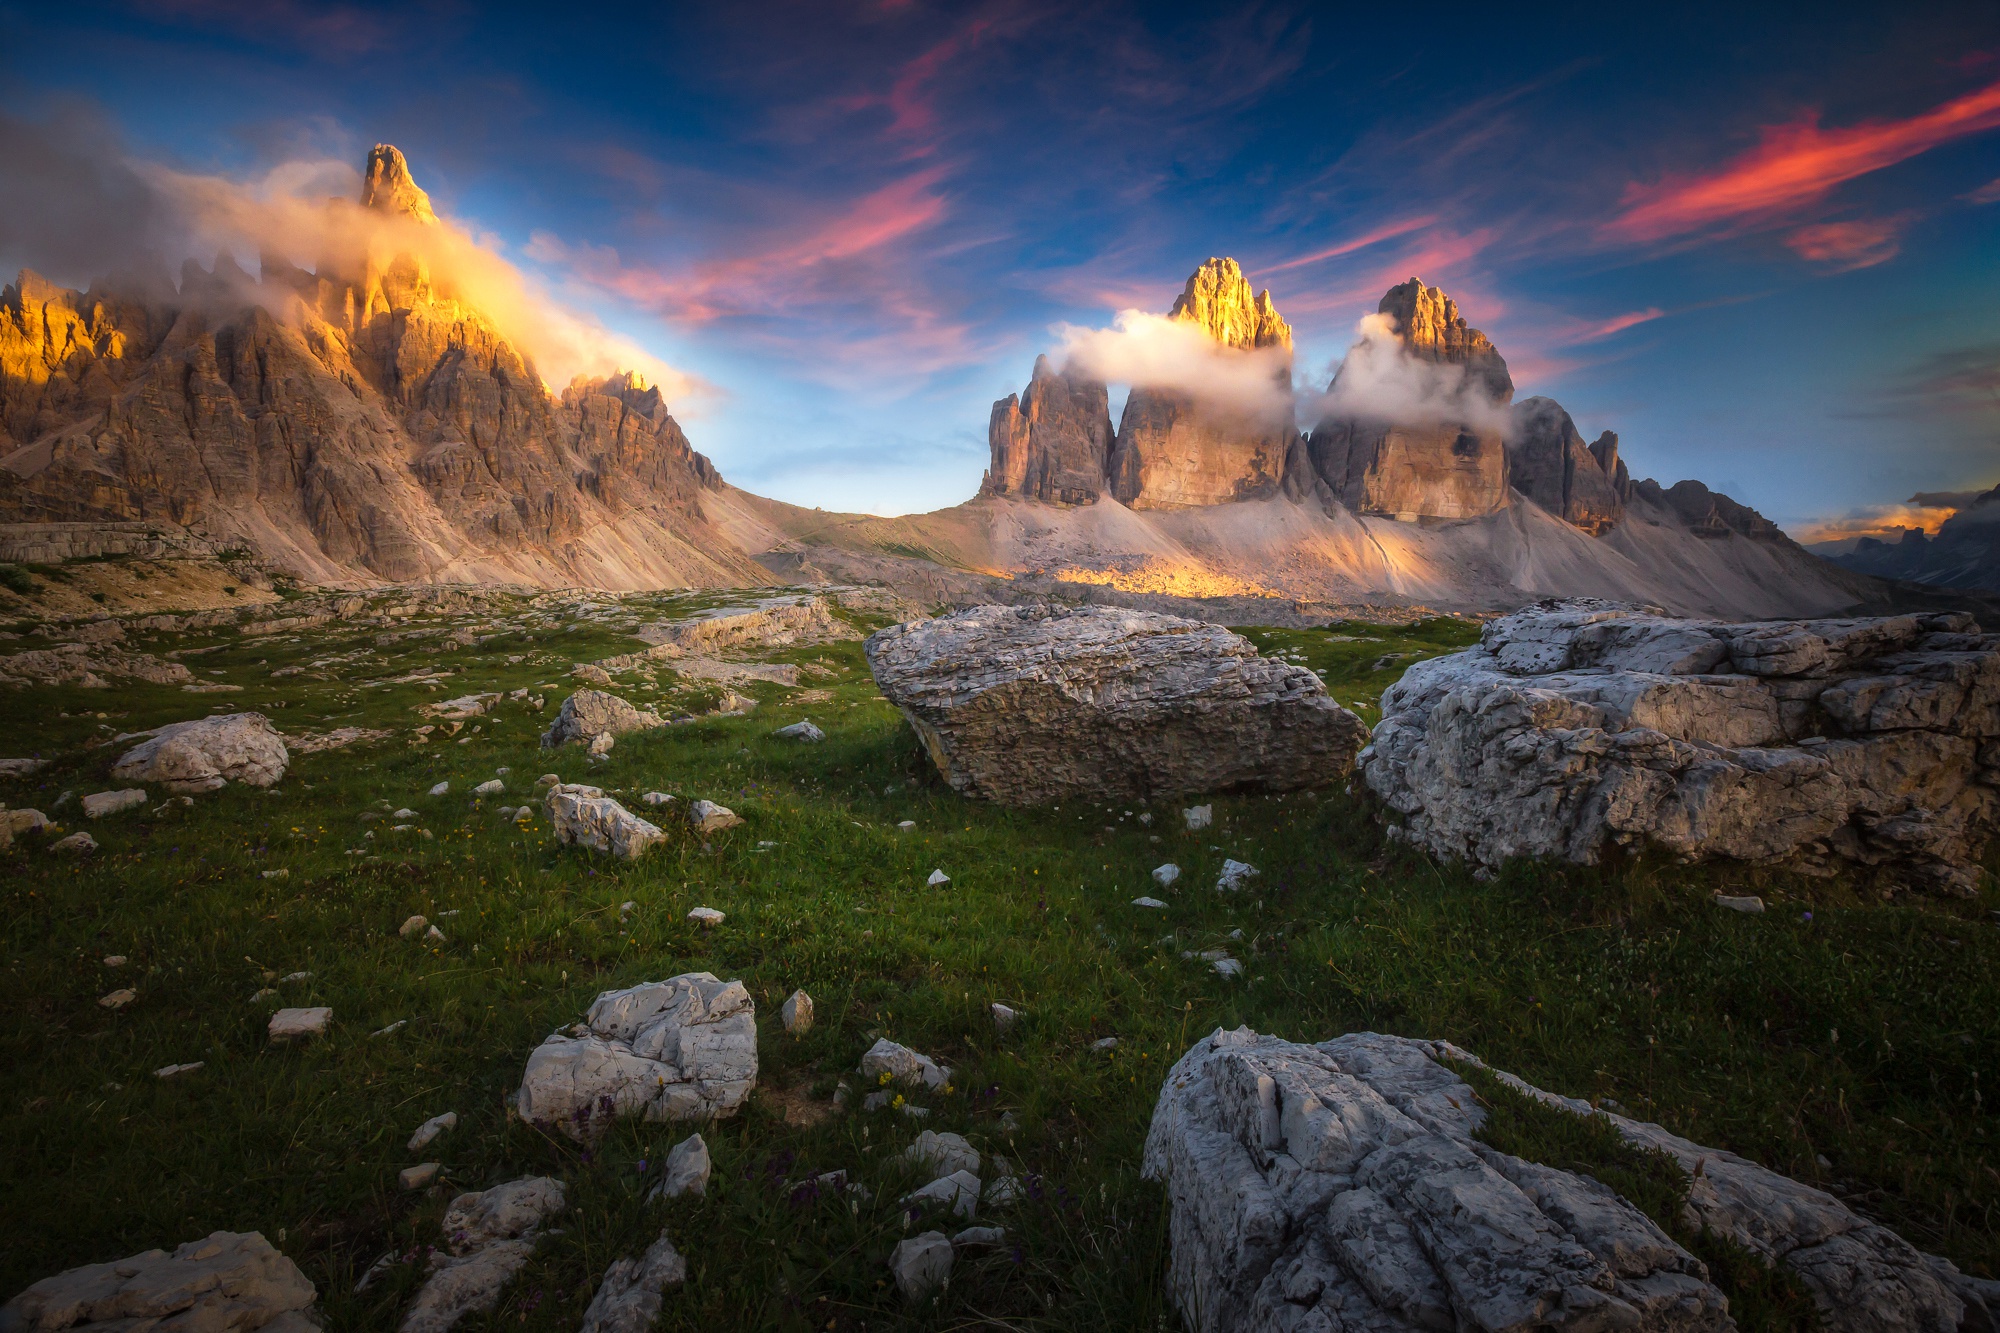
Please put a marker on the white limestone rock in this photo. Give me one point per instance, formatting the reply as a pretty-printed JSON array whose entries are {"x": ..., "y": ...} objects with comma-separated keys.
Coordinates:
[
  {"x": 687, "y": 1171},
  {"x": 589, "y": 714},
  {"x": 1822, "y": 746},
  {"x": 802, "y": 731},
  {"x": 489, "y": 1237},
  {"x": 708, "y": 817},
  {"x": 1235, "y": 874},
  {"x": 629, "y": 1295},
  {"x": 294, "y": 1024},
  {"x": 431, "y": 1128},
  {"x": 419, "y": 1176},
  {"x": 1165, "y": 875},
  {"x": 942, "y": 1154},
  {"x": 680, "y": 1049},
  {"x": 1036, "y": 704},
  {"x": 1198, "y": 817},
  {"x": 227, "y": 1281},
  {"x": 706, "y": 917},
  {"x": 921, "y": 1264},
  {"x": 797, "y": 1013},
  {"x": 208, "y": 753},
  {"x": 586, "y": 816},
  {"x": 958, "y": 1191},
  {"x": 80, "y": 843},
  {"x": 1003, "y": 1017},
  {"x": 13, "y": 822},
  {"x": 902, "y": 1065},
  {"x": 101, "y": 803}
]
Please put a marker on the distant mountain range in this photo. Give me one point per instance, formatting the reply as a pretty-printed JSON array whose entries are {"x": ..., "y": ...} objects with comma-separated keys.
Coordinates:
[
  {"x": 1965, "y": 553},
  {"x": 361, "y": 424}
]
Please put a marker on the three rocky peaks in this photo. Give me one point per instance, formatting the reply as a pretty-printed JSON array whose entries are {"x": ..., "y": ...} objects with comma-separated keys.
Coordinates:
[{"x": 1055, "y": 443}]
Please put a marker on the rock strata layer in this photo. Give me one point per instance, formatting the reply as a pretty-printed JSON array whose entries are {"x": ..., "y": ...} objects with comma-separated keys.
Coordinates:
[
  {"x": 228, "y": 1281},
  {"x": 1315, "y": 1188},
  {"x": 680, "y": 1049},
  {"x": 1031, "y": 705},
  {"x": 1863, "y": 745}
]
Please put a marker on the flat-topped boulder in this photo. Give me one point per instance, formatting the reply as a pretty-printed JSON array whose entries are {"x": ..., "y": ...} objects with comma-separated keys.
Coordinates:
[
  {"x": 1821, "y": 746},
  {"x": 680, "y": 1049},
  {"x": 208, "y": 753},
  {"x": 1031, "y": 705},
  {"x": 1344, "y": 1185},
  {"x": 230, "y": 1280}
]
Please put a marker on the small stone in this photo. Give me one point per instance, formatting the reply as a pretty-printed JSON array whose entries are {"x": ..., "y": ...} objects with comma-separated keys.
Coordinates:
[
  {"x": 1104, "y": 1044},
  {"x": 289, "y": 1023},
  {"x": 118, "y": 999},
  {"x": 657, "y": 798},
  {"x": 264, "y": 994},
  {"x": 1146, "y": 818},
  {"x": 434, "y": 934},
  {"x": 280, "y": 873},
  {"x": 688, "y": 1167},
  {"x": 958, "y": 1191},
  {"x": 797, "y": 1013},
  {"x": 1199, "y": 817},
  {"x": 1147, "y": 902},
  {"x": 943, "y": 1154},
  {"x": 404, "y": 813},
  {"x": 490, "y": 787},
  {"x": 441, "y": 788},
  {"x": 601, "y": 743},
  {"x": 1235, "y": 874},
  {"x": 102, "y": 803},
  {"x": 418, "y": 1176},
  {"x": 115, "y": 960},
  {"x": 875, "y": 1101},
  {"x": 548, "y": 780},
  {"x": 627, "y": 907},
  {"x": 706, "y": 916},
  {"x": 291, "y": 977},
  {"x": 921, "y": 1264},
  {"x": 175, "y": 1071},
  {"x": 1003, "y": 1017},
  {"x": 1749, "y": 903},
  {"x": 1001, "y": 1191},
  {"x": 393, "y": 1027},
  {"x": 906, "y": 825},
  {"x": 937, "y": 877},
  {"x": 628, "y": 1298},
  {"x": 804, "y": 731},
  {"x": 911, "y": 1111},
  {"x": 81, "y": 843},
  {"x": 979, "y": 1238},
  {"x": 1227, "y": 967},
  {"x": 903, "y": 1065},
  {"x": 708, "y": 817},
  {"x": 431, "y": 1128},
  {"x": 1009, "y": 1122},
  {"x": 1165, "y": 875}
]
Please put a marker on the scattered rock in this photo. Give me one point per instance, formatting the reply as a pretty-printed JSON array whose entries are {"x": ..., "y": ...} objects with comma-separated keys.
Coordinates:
[
  {"x": 13, "y": 822},
  {"x": 979, "y": 1238},
  {"x": 1749, "y": 903},
  {"x": 434, "y": 935},
  {"x": 1818, "y": 745},
  {"x": 706, "y": 916},
  {"x": 1002, "y": 1190},
  {"x": 441, "y": 789},
  {"x": 20, "y": 768},
  {"x": 906, "y": 825},
  {"x": 289, "y": 1023},
  {"x": 490, "y": 787},
  {"x": 708, "y": 817},
  {"x": 412, "y": 926},
  {"x": 628, "y": 1298},
  {"x": 1235, "y": 874},
  {"x": 775, "y": 622},
  {"x": 81, "y": 843},
  {"x": 175, "y": 1071},
  {"x": 1166, "y": 875},
  {"x": 804, "y": 731},
  {"x": 118, "y": 999},
  {"x": 921, "y": 1264},
  {"x": 657, "y": 798},
  {"x": 903, "y": 1065},
  {"x": 418, "y": 1176},
  {"x": 1033, "y": 704},
  {"x": 587, "y": 817},
  {"x": 102, "y": 803},
  {"x": 1226, "y": 968},
  {"x": 600, "y": 744},
  {"x": 404, "y": 813},
  {"x": 280, "y": 873},
  {"x": 1198, "y": 817},
  {"x": 937, "y": 877},
  {"x": 943, "y": 1154},
  {"x": 1147, "y": 902},
  {"x": 798, "y": 1013},
  {"x": 392, "y": 1028},
  {"x": 958, "y": 1191},
  {"x": 489, "y": 1237},
  {"x": 337, "y": 739},
  {"x": 115, "y": 960},
  {"x": 680, "y": 1049},
  {"x": 228, "y": 1281},
  {"x": 1104, "y": 1044},
  {"x": 1003, "y": 1017},
  {"x": 431, "y": 1128},
  {"x": 589, "y": 714},
  {"x": 208, "y": 753},
  {"x": 687, "y": 1171}
]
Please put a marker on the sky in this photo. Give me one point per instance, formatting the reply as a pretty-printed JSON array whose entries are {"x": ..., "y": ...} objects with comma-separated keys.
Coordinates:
[{"x": 1761, "y": 243}]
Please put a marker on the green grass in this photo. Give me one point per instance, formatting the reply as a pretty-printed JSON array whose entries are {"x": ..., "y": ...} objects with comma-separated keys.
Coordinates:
[{"x": 1831, "y": 1026}]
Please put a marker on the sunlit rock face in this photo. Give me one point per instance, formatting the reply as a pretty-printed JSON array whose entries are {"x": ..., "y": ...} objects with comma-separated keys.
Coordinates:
[
  {"x": 355, "y": 422},
  {"x": 1052, "y": 442},
  {"x": 1174, "y": 452},
  {"x": 1403, "y": 465},
  {"x": 1551, "y": 465}
]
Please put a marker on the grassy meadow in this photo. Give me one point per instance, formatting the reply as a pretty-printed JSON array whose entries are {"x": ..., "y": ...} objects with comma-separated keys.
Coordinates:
[{"x": 1837, "y": 1039}]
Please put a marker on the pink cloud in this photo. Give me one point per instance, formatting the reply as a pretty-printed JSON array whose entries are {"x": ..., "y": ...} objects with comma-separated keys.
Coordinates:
[
  {"x": 1988, "y": 193},
  {"x": 1349, "y": 246},
  {"x": 1794, "y": 166},
  {"x": 912, "y": 96},
  {"x": 1849, "y": 245},
  {"x": 1616, "y": 324}
]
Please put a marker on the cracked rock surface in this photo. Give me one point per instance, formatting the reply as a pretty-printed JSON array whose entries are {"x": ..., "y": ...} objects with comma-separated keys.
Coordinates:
[
  {"x": 680, "y": 1049},
  {"x": 586, "y": 816},
  {"x": 490, "y": 1237},
  {"x": 1869, "y": 745},
  {"x": 208, "y": 753},
  {"x": 588, "y": 714},
  {"x": 1035, "y": 704},
  {"x": 1315, "y": 1188},
  {"x": 230, "y": 1280}
]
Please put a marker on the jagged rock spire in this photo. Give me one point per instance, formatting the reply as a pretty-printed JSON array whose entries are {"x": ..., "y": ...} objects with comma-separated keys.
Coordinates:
[
  {"x": 1218, "y": 299},
  {"x": 390, "y": 188},
  {"x": 1433, "y": 330}
]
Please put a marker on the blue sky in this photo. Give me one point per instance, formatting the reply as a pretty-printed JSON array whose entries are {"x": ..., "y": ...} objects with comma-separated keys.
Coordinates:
[{"x": 1762, "y": 247}]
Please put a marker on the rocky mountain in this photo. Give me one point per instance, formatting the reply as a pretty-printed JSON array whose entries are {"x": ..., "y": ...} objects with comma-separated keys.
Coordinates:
[
  {"x": 360, "y": 423},
  {"x": 1965, "y": 553}
]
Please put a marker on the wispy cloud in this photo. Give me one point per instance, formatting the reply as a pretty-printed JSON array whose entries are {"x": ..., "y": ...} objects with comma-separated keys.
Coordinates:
[
  {"x": 1794, "y": 166},
  {"x": 1349, "y": 246},
  {"x": 1845, "y": 246}
]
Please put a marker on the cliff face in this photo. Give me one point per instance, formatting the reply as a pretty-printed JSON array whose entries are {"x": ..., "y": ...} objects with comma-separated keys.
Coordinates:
[
  {"x": 348, "y": 425},
  {"x": 1052, "y": 442},
  {"x": 1551, "y": 465}
]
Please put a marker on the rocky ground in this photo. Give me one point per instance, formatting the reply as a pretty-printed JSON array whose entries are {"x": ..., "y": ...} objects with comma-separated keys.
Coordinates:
[{"x": 423, "y": 936}]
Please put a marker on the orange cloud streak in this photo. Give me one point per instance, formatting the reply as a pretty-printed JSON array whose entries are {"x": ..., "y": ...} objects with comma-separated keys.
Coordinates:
[
  {"x": 1348, "y": 247},
  {"x": 1794, "y": 165},
  {"x": 1849, "y": 245}
]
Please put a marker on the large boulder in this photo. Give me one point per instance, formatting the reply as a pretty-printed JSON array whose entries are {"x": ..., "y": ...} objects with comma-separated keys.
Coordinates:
[
  {"x": 1819, "y": 745},
  {"x": 585, "y": 815},
  {"x": 588, "y": 714},
  {"x": 680, "y": 1049},
  {"x": 1342, "y": 1185},
  {"x": 231, "y": 1280},
  {"x": 1028, "y": 705},
  {"x": 208, "y": 753}
]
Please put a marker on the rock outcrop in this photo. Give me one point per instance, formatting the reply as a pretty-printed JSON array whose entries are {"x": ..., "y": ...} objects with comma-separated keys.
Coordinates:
[
  {"x": 1052, "y": 442},
  {"x": 588, "y": 714},
  {"x": 680, "y": 1049},
  {"x": 587, "y": 817},
  {"x": 1823, "y": 746},
  {"x": 1551, "y": 465},
  {"x": 208, "y": 753},
  {"x": 1342, "y": 1185},
  {"x": 1030, "y": 705},
  {"x": 229, "y": 1281},
  {"x": 360, "y": 421},
  {"x": 1421, "y": 459},
  {"x": 489, "y": 1237}
]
